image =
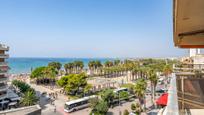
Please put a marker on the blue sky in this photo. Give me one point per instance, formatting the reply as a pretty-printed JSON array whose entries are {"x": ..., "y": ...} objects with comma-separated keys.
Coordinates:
[{"x": 88, "y": 28}]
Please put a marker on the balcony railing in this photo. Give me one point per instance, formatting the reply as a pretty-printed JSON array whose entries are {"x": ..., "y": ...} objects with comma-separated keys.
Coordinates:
[
  {"x": 190, "y": 82},
  {"x": 189, "y": 68},
  {"x": 4, "y": 56},
  {"x": 172, "y": 103},
  {"x": 3, "y": 64},
  {"x": 3, "y": 79},
  {"x": 3, "y": 71},
  {"x": 4, "y": 47},
  {"x": 2, "y": 96},
  {"x": 3, "y": 88}
]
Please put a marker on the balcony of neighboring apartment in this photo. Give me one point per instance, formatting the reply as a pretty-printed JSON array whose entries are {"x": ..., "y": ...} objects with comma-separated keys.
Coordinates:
[
  {"x": 3, "y": 70},
  {"x": 190, "y": 88},
  {"x": 3, "y": 95},
  {"x": 3, "y": 78},
  {"x": 3, "y": 87},
  {"x": 4, "y": 47},
  {"x": 3, "y": 64},
  {"x": 4, "y": 56}
]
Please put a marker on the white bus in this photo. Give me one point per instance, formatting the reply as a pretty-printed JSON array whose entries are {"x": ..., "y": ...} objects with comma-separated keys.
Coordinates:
[
  {"x": 120, "y": 90},
  {"x": 81, "y": 103}
]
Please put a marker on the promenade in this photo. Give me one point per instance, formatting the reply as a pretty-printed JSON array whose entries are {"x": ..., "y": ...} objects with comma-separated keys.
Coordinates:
[{"x": 58, "y": 107}]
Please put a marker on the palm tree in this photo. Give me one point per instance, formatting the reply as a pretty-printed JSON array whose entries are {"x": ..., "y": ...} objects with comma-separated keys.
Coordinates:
[
  {"x": 153, "y": 79},
  {"x": 29, "y": 98},
  {"x": 95, "y": 66},
  {"x": 78, "y": 66},
  {"x": 108, "y": 63},
  {"x": 135, "y": 72},
  {"x": 140, "y": 88},
  {"x": 98, "y": 66},
  {"x": 56, "y": 65},
  {"x": 69, "y": 67},
  {"x": 116, "y": 62},
  {"x": 91, "y": 65},
  {"x": 138, "y": 108},
  {"x": 167, "y": 71},
  {"x": 81, "y": 66}
]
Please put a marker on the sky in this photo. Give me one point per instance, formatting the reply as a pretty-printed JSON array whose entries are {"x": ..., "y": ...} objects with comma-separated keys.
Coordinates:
[{"x": 88, "y": 28}]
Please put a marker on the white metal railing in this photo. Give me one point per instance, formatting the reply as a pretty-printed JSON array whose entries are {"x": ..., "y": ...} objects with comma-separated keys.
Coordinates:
[
  {"x": 3, "y": 87},
  {"x": 172, "y": 103},
  {"x": 189, "y": 68},
  {"x": 2, "y": 79},
  {"x": 4, "y": 55},
  {"x": 3, "y": 70},
  {"x": 3, "y": 64}
]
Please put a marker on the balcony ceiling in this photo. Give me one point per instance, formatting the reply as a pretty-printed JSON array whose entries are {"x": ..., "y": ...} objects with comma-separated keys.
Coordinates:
[{"x": 189, "y": 23}]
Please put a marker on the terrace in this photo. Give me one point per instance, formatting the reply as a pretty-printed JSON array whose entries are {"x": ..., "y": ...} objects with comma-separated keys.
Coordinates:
[
  {"x": 3, "y": 64},
  {"x": 4, "y": 47},
  {"x": 186, "y": 94},
  {"x": 4, "y": 56}
]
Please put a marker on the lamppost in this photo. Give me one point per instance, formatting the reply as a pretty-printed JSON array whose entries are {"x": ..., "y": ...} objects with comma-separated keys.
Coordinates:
[
  {"x": 119, "y": 99},
  {"x": 119, "y": 103}
]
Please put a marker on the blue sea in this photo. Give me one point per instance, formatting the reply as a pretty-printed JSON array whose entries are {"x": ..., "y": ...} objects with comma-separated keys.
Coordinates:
[{"x": 24, "y": 65}]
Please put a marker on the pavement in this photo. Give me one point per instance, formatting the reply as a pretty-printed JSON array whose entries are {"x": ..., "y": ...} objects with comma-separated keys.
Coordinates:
[{"x": 58, "y": 107}]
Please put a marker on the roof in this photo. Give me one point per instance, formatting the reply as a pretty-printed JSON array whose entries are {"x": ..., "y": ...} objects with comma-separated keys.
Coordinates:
[
  {"x": 116, "y": 90},
  {"x": 188, "y": 23},
  {"x": 81, "y": 99}
]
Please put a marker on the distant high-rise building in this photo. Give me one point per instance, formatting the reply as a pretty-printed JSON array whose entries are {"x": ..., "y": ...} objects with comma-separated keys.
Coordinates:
[
  {"x": 3, "y": 71},
  {"x": 194, "y": 52}
]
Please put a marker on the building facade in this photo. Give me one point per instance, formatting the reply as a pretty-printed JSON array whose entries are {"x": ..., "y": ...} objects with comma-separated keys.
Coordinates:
[{"x": 3, "y": 71}]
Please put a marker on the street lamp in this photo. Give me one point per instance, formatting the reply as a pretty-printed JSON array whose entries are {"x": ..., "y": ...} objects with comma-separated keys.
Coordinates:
[{"x": 119, "y": 102}]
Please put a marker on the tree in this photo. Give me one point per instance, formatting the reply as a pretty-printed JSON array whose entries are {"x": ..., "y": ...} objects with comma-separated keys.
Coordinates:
[
  {"x": 38, "y": 72},
  {"x": 126, "y": 112},
  {"x": 140, "y": 88},
  {"x": 153, "y": 79},
  {"x": 124, "y": 95},
  {"x": 133, "y": 107},
  {"x": 74, "y": 84},
  {"x": 101, "y": 108},
  {"x": 93, "y": 102},
  {"x": 87, "y": 88},
  {"x": 44, "y": 74},
  {"x": 56, "y": 65},
  {"x": 94, "y": 66},
  {"x": 68, "y": 67},
  {"x": 108, "y": 63},
  {"x": 22, "y": 86},
  {"x": 50, "y": 72},
  {"x": 63, "y": 81},
  {"x": 78, "y": 66},
  {"x": 116, "y": 62},
  {"x": 167, "y": 70},
  {"x": 29, "y": 99},
  {"x": 108, "y": 96},
  {"x": 138, "y": 109}
]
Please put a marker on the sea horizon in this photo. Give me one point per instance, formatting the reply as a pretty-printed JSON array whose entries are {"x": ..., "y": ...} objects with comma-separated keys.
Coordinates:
[{"x": 20, "y": 65}]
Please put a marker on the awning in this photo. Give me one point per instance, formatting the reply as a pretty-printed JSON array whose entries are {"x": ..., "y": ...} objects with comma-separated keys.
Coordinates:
[
  {"x": 162, "y": 99},
  {"x": 188, "y": 23}
]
